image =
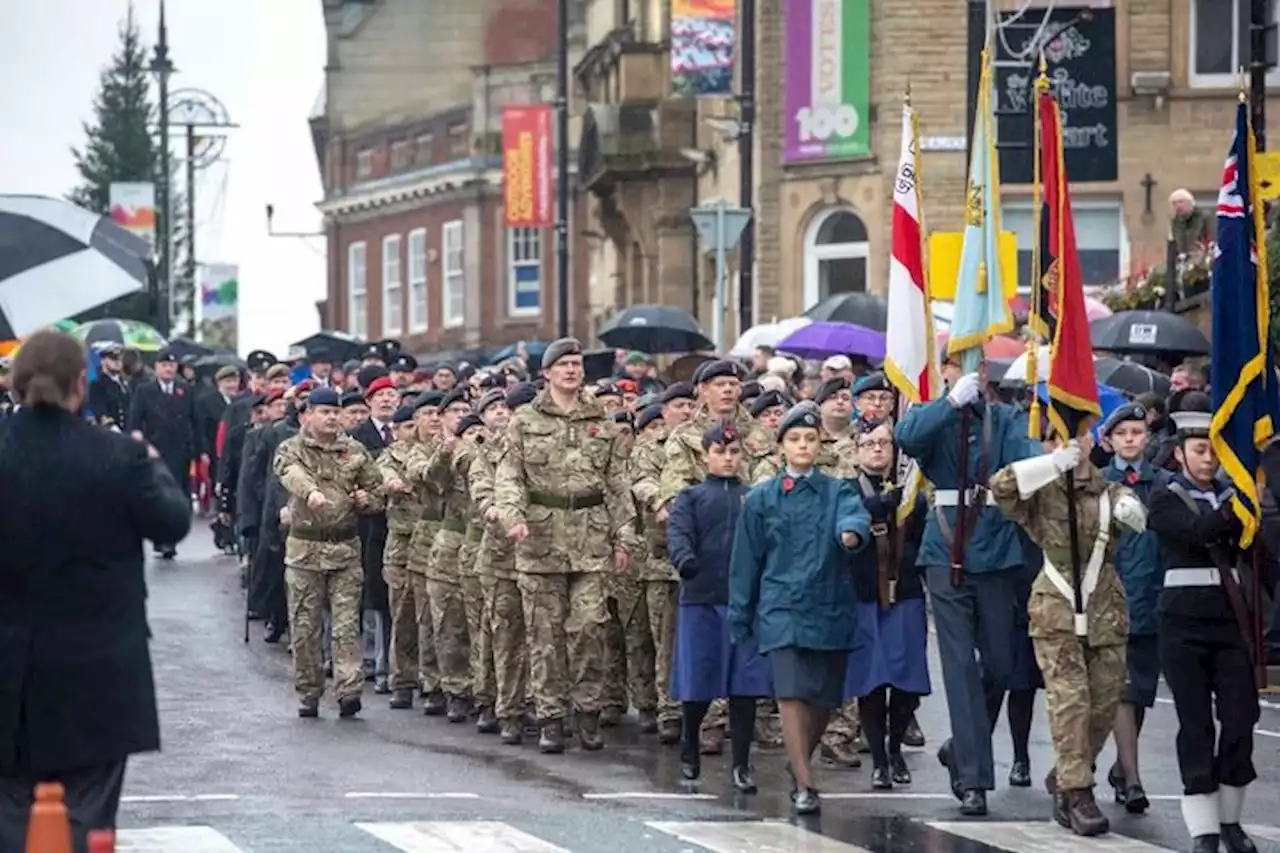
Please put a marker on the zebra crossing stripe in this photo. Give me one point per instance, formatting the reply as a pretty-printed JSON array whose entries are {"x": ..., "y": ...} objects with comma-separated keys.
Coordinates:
[
  {"x": 1270, "y": 833},
  {"x": 747, "y": 836},
  {"x": 468, "y": 836},
  {"x": 1042, "y": 837},
  {"x": 174, "y": 839}
]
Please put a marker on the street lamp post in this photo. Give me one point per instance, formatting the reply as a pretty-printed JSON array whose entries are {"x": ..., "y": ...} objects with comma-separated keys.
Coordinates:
[
  {"x": 562, "y": 170},
  {"x": 162, "y": 67}
]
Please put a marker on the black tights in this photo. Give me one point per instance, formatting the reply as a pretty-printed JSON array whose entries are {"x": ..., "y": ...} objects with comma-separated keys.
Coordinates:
[
  {"x": 1021, "y": 704},
  {"x": 885, "y": 713},
  {"x": 742, "y": 726}
]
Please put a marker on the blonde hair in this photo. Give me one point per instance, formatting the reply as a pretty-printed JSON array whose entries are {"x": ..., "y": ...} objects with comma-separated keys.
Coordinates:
[{"x": 48, "y": 368}]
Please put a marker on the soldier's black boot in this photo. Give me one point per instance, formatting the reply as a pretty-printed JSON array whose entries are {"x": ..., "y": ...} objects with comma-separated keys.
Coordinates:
[
  {"x": 648, "y": 722},
  {"x": 669, "y": 731},
  {"x": 401, "y": 699},
  {"x": 551, "y": 737},
  {"x": 1087, "y": 819},
  {"x": 511, "y": 732},
  {"x": 973, "y": 803},
  {"x": 880, "y": 778},
  {"x": 1205, "y": 844},
  {"x": 349, "y": 706},
  {"x": 457, "y": 709},
  {"x": 743, "y": 781},
  {"x": 1230, "y": 808},
  {"x": 434, "y": 704},
  {"x": 1020, "y": 774},
  {"x": 610, "y": 716},
  {"x": 1235, "y": 840},
  {"x": 589, "y": 731},
  {"x": 308, "y": 709},
  {"x": 487, "y": 723},
  {"x": 898, "y": 769}
]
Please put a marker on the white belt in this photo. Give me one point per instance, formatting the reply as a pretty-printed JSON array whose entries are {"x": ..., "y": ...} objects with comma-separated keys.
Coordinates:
[
  {"x": 1196, "y": 577},
  {"x": 1093, "y": 571},
  {"x": 951, "y": 497}
]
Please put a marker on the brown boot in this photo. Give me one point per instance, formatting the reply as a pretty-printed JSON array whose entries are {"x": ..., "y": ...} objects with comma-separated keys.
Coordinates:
[
  {"x": 768, "y": 732},
  {"x": 551, "y": 737},
  {"x": 712, "y": 741},
  {"x": 1086, "y": 818},
  {"x": 589, "y": 731},
  {"x": 511, "y": 731},
  {"x": 841, "y": 754}
]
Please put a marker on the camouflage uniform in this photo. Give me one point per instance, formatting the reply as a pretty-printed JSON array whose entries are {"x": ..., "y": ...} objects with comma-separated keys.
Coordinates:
[
  {"x": 629, "y": 676},
  {"x": 403, "y": 511},
  {"x": 1084, "y": 678},
  {"x": 501, "y": 644},
  {"x": 420, "y": 543},
  {"x": 322, "y": 558},
  {"x": 564, "y": 475}
]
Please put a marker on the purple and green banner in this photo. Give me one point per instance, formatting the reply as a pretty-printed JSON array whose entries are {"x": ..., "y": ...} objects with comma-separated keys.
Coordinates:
[{"x": 828, "y": 85}]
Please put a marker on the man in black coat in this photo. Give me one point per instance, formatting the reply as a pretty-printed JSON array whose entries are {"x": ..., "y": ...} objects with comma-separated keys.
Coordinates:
[
  {"x": 163, "y": 412},
  {"x": 77, "y": 696},
  {"x": 109, "y": 391}
]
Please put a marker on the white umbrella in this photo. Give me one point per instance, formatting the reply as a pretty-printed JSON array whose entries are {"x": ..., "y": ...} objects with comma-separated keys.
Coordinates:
[
  {"x": 1017, "y": 371},
  {"x": 766, "y": 335},
  {"x": 57, "y": 260}
]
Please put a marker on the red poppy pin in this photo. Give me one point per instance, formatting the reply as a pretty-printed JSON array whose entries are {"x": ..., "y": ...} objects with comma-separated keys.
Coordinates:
[
  {"x": 592, "y": 429},
  {"x": 179, "y": 391},
  {"x": 787, "y": 485},
  {"x": 1131, "y": 477}
]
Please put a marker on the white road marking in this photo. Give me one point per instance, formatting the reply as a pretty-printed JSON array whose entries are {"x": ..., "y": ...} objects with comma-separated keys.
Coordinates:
[
  {"x": 753, "y": 837},
  {"x": 884, "y": 795},
  {"x": 1042, "y": 837},
  {"x": 649, "y": 795},
  {"x": 1270, "y": 833},
  {"x": 409, "y": 795},
  {"x": 174, "y": 839},
  {"x": 179, "y": 798},
  {"x": 475, "y": 836}
]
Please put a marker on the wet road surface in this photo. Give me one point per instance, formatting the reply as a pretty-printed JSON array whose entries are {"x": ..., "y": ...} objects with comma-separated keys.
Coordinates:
[{"x": 240, "y": 773}]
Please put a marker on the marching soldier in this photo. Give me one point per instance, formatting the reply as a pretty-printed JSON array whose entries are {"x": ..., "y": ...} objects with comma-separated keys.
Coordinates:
[
  {"x": 108, "y": 394},
  {"x": 471, "y": 439},
  {"x": 331, "y": 480},
  {"x": 426, "y": 420},
  {"x": 1082, "y": 654},
  {"x": 562, "y": 494},
  {"x": 403, "y": 509},
  {"x": 1203, "y": 636}
]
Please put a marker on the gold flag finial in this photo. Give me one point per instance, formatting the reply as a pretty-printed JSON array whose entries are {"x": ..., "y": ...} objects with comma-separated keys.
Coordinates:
[{"x": 1042, "y": 79}]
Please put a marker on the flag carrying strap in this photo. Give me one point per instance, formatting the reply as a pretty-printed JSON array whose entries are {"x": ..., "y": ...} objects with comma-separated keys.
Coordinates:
[
  {"x": 1093, "y": 571},
  {"x": 888, "y": 537},
  {"x": 978, "y": 492}
]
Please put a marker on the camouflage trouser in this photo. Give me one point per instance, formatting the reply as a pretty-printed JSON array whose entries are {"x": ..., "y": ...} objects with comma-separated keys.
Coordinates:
[
  {"x": 404, "y": 626},
  {"x": 480, "y": 665},
  {"x": 843, "y": 727},
  {"x": 449, "y": 626},
  {"x": 629, "y": 664},
  {"x": 661, "y": 599},
  {"x": 503, "y": 645},
  {"x": 1083, "y": 685},
  {"x": 309, "y": 592},
  {"x": 428, "y": 666},
  {"x": 565, "y": 617}
]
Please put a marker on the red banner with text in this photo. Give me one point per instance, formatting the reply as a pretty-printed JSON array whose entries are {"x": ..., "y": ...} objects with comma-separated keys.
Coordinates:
[{"x": 526, "y": 165}]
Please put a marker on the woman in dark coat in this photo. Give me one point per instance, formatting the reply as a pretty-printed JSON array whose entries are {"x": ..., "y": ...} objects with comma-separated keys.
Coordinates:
[{"x": 76, "y": 690}]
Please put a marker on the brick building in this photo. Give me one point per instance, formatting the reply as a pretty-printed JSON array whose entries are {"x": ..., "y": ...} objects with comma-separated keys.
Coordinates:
[
  {"x": 409, "y": 143},
  {"x": 823, "y": 223}
]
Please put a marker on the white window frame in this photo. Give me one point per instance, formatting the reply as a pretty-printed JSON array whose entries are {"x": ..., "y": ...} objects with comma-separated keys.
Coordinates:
[
  {"x": 815, "y": 253},
  {"x": 524, "y": 250},
  {"x": 401, "y": 154},
  {"x": 392, "y": 286},
  {"x": 419, "y": 298},
  {"x": 453, "y": 275},
  {"x": 1023, "y": 206},
  {"x": 364, "y": 163},
  {"x": 1222, "y": 81},
  {"x": 357, "y": 292}
]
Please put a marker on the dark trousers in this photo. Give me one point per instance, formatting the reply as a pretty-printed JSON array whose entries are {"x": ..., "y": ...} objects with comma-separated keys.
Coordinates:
[
  {"x": 92, "y": 798},
  {"x": 266, "y": 590},
  {"x": 975, "y": 618},
  {"x": 1206, "y": 665}
]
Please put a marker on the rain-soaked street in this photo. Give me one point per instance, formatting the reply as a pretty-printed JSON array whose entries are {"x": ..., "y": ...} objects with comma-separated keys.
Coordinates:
[{"x": 240, "y": 772}]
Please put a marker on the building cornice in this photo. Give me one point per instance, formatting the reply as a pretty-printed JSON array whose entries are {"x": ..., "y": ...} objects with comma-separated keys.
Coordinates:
[{"x": 414, "y": 187}]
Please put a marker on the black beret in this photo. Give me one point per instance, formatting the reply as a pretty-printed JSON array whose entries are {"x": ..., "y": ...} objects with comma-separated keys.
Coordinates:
[
  {"x": 750, "y": 390},
  {"x": 521, "y": 395},
  {"x": 350, "y": 366},
  {"x": 679, "y": 391},
  {"x": 365, "y": 376},
  {"x": 622, "y": 416},
  {"x": 259, "y": 360},
  {"x": 352, "y": 398},
  {"x": 404, "y": 363},
  {"x": 721, "y": 432},
  {"x": 458, "y": 394},
  {"x": 648, "y": 415},
  {"x": 804, "y": 414},
  {"x": 720, "y": 367},
  {"x": 829, "y": 388},
  {"x": 558, "y": 349},
  {"x": 428, "y": 399},
  {"x": 767, "y": 400},
  {"x": 608, "y": 389},
  {"x": 402, "y": 415},
  {"x": 469, "y": 420},
  {"x": 390, "y": 348},
  {"x": 497, "y": 395},
  {"x": 1127, "y": 412},
  {"x": 373, "y": 351},
  {"x": 873, "y": 382},
  {"x": 323, "y": 397}
]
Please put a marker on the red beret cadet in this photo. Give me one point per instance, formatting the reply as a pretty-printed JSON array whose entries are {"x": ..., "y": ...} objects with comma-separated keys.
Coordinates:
[
  {"x": 379, "y": 384},
  {"x": 273, "y": 395}
]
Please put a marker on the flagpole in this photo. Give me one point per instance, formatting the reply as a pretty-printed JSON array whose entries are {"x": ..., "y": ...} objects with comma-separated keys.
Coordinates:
[{"x": 1037, "y": 296}]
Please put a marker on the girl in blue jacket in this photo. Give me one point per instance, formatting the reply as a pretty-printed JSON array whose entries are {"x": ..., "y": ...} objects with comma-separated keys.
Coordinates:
[{"x": 706, "y": 665}]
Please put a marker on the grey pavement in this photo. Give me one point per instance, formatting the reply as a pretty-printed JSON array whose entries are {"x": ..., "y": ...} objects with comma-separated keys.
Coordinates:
[{"x": 240, "y": 772}]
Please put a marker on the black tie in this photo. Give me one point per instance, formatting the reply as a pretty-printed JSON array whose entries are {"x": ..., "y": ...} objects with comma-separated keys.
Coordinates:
[{"x": 386, "y": 433}]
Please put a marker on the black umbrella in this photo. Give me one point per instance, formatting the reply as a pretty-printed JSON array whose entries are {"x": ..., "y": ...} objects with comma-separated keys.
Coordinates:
[
  {"x": 58, "y": 260},
  {"x": 861, "y": 309},
  {"x": 338, "y": 346},
  {"x": 1129, "y": 376},
  {"x": 655, "y": 329},
  {"x": 183, "y": 347},
  {"x": 1149, "y": 332}
]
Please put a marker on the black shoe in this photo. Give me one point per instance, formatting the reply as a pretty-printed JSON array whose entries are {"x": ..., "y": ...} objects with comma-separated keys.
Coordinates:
[
  {"x": 880, "y": 780},
  {"x": 973, "y": 803},
  {"x": 487, "y": 721},
  {"x": 551, "y": 737},
  {"x": 168, "y": 552},
  {"x": 944, "y": 758},
  {"x": 275, "y": 633},
  {"x": 308, "y": 710},
  {"x": 349, "y": 707},
  {"x": 806, "y": 802},
  {"x": 511, "y": 732},
  {"x": 1205, "y": 844},
  {"x": 1115, "y": 778},
  {"x": 1234, "y": 839},
  {"x": 898, "y": 765},
  {"x": 380, "y": 685},
  {"x": 691, "y": 767},
  {"x": 401, "y": 699},
  {"x": 1135, "y": 799},
  {"x": 743, "y": 781},
  {"x": 434, "y": 704},
  {"x": 1020, "y": 774},
  {"x": 457, "y": 709}
]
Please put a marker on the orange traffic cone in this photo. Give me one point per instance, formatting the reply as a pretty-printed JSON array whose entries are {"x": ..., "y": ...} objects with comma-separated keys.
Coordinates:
[
  {"x": 50, "y": 827},
  {"x": 102, "y": 841}
]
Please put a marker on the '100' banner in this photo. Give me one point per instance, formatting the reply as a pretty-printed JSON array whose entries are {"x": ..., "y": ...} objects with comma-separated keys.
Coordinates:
[
  {"x": 827, "y": 92},
  {"x": 526, "y": 165}
]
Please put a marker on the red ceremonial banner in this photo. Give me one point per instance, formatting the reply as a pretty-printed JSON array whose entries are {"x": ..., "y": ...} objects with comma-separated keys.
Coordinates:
[{"x": 526, "y": 165}]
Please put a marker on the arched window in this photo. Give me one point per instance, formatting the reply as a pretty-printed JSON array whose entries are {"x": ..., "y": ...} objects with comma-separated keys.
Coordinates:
[{"x": 835, "y": 255}]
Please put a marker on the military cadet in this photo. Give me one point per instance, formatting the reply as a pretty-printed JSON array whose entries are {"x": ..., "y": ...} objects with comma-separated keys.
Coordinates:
[
  {"x": 403, "y": 511},
  {"x": 331, "y": 480},
  {"x": 875, "y": 398},
  {"x": 563, "y": 495},
  {"x": 1204, "y": 626},
  {"x": 1080, "y": 651},
  {"x": 402, "y": 368},
  {"x": 972, "y": 585},
  {"x": 426, "y": 421},
  {"x": 355, "y": 410},
  {"x": 470, "y": 433},
  {"x": 108, "y": 394},
  {"x": 502, "y": 634},
  {"x": 768, "y": 408}
]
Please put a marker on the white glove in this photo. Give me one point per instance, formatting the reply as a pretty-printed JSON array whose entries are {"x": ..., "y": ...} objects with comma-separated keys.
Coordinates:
[
  {"x": 1066, "y": 458},
  {"x": 1129, "y": 512},
  {"x": 965, "y": 391}
]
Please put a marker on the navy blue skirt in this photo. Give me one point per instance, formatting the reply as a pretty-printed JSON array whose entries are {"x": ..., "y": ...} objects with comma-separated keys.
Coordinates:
[
  {"x": 812, "y": 676},
  {"x": 706, "y": 665},
  {"x": 894, "y": 650}
]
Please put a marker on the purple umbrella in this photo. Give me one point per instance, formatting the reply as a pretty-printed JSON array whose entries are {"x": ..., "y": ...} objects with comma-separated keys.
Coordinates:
[{"x": 821, "y": 340}]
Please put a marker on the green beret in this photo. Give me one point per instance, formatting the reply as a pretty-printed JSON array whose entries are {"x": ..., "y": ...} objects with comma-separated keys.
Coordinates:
[{"x": 558, "y": 349}]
